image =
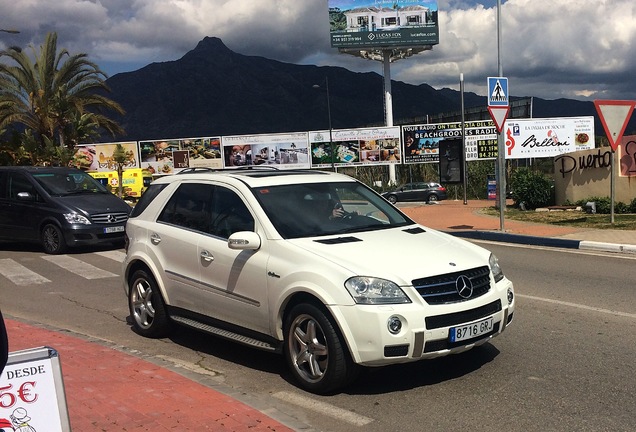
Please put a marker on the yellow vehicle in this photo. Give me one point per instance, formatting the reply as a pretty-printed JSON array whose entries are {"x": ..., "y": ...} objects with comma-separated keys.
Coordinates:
[{"x": 135, "y": 181}]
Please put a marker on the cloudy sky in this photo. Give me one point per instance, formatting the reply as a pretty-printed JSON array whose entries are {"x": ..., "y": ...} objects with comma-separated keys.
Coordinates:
[{"x": 549, "y": 48}]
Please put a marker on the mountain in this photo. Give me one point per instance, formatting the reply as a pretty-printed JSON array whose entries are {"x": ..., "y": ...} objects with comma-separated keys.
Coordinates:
[{"x": 212, "y": 91}]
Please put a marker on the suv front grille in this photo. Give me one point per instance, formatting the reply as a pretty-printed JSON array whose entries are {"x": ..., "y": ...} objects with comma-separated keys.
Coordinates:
[
  {"x": 109, "y": 218},
  {"x": 442, "y": 289}
]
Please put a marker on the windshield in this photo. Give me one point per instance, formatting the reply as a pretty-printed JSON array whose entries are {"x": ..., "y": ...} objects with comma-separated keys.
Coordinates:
[
  {"x": 67, "y": 183},
  {"x": 317, "y": 209}
]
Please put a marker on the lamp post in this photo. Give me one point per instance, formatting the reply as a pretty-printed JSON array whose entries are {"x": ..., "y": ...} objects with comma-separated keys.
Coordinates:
[
  {"x": 331, "y": 149},
  {"x": 10, "y": 31}
]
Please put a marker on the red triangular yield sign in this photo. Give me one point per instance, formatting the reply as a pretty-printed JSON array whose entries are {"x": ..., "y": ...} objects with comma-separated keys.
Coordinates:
[
  {"x": 499, "y": 115},
  {"x": 614, "y": 115}
]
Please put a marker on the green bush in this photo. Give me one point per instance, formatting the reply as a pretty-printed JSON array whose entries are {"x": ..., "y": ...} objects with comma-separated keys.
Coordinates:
[
  {"x": 533, "y": 189},
  {"x": 632, "y": 206},
  {"x": 604, "y": 205}
]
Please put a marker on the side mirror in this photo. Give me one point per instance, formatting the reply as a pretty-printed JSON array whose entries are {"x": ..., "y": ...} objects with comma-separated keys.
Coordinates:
[
  {"x": 244, "y": 240},
  {"x": 25, "y": 196}
]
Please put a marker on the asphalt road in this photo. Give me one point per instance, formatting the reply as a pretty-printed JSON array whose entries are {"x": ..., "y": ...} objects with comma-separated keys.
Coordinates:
[{"x": 564, "y": 365}]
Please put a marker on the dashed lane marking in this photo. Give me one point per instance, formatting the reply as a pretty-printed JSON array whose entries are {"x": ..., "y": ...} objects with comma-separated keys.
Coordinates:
[
  {"x": 19, "y": 274},
  {"x": 80, "y": 268}
]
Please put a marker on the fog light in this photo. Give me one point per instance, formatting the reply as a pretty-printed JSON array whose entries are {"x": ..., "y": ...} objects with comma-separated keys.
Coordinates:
[
  {"x": 511, "y": 296},
  {"x": 394, "y": 325}
]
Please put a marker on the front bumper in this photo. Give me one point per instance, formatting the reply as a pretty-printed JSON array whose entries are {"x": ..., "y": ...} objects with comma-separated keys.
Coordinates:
[
  {"x": 93, "y": 234},
  {"x": 425, "y": 329}
]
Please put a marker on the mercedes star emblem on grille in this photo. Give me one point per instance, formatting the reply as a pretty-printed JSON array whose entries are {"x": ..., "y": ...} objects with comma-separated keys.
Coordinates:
[
  {"x": 113, "y": 219},
  {"x": 464, "y": 287}
]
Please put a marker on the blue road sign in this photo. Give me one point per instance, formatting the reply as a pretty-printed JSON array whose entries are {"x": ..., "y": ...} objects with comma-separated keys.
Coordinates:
[{"x": 498, "y": 91}]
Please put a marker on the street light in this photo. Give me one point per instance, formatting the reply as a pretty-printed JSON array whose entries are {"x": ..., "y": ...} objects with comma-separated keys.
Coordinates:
[
  {"x": 10, "y": 31},
  {"x": 331, "y": 149}
]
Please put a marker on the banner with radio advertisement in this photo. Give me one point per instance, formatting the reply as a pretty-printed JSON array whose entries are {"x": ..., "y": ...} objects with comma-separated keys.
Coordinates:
[
  {"x": 421, "y": 142},
  {"x": 548, "y": 137},
  {"x": 351, "y": 147}
]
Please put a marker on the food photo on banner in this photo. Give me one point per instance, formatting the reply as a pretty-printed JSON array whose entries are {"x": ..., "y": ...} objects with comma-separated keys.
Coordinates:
[
  {"x": 355, "y": 147},
  {"x": 283, "y": 151},
  {"x": 99, "y": 157}
]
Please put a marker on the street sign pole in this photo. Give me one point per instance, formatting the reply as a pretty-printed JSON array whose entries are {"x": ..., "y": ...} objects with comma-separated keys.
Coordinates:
[
  {"x": 498, "y": 106},
  {"x": 614, "y": 115}
]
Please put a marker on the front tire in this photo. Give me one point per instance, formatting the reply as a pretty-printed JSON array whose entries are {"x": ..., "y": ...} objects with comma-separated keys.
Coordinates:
[
  {"x": 53, "y": 241},
  {"x": 314, "y": 351},
  {"x": 147, "y": 308}
]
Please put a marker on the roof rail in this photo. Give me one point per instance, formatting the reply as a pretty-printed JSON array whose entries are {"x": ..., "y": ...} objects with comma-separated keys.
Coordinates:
[{"x": 196, "y": 169}]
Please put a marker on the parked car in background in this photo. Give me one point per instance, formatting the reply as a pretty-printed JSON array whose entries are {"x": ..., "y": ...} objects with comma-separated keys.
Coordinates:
[
  {"x": 418, "y": 191},
  {"x": 58, "y": 208},
  {"x": 135, "y": 181},
  {"x": 313, "y": 265}
]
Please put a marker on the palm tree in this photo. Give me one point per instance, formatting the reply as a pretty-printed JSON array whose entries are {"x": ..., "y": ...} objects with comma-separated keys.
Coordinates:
[{"x": 59, "y": 96}]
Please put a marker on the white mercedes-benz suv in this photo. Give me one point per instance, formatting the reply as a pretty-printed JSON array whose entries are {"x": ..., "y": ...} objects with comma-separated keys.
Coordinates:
[{"x": 314, "y": 265}]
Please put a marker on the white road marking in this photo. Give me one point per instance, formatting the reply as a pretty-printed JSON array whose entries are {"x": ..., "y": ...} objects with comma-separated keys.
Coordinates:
[
  {"x": 579, "y": 306},
  {"x": 19, "y": 274},
  {"x": 323, "y": 408},
  {"x": 114, "y": 255},
  {"x": 78, "y": 267}
]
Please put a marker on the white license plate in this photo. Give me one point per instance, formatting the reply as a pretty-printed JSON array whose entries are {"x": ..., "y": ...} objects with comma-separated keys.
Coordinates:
[
  {"x": 470, "y": 331},
  {"x": 108, "y": 230}
]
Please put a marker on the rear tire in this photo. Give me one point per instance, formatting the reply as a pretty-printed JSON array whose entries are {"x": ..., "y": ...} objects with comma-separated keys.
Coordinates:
[
  {"x": 53, "y": 240},
  {"x": 432, "y": 198},
  {"x": 315, "y": 353},
  {"x": 392, "y": 199},
  {"x": 147, "y": 308}
]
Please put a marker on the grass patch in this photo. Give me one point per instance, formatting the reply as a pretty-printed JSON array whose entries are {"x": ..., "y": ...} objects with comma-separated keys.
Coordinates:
[{"x": 568, "y": 218}]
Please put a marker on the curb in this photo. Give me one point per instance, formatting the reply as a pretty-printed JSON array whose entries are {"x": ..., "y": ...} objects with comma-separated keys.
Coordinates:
[
  {"x": 545, "y": 241},
  {"x": 518, "y": 238}
]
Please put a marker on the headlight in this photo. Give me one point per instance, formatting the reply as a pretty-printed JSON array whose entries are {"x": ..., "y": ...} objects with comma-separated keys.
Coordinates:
[
  {"x": 369, "y": 290},
  {"x": 496, "y": 269},
  {"x": 75, "y": 218}
]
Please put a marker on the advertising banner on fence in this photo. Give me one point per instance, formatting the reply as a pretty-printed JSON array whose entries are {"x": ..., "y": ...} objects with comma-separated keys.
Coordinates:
[
  {"x": 284, "y": 151},
  {"x": 378, "y": 146},
  {"x": 383, "y": 23},
  {"x": 99, "y": 157},
  {"x": 548, "y": 137},
  {"x": 158, "y": 156},
  {"x": 422, "y": 142}
]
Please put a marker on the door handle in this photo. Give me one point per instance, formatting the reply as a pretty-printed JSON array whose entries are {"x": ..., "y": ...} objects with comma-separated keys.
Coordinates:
[
  {"x": 205, "y": 255},
  {"x": 155, "y": 239}
]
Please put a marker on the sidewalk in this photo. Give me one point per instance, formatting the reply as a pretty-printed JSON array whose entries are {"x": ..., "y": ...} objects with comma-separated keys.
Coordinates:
[{"x": 108, "y": 389}]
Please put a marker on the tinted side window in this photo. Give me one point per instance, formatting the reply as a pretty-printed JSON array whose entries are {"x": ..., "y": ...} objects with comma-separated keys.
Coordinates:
[
  {"x": 229, "y": 214},
  {"x": 18, "y": 182},
  {"x": 189, "y": 207},
  {"x": 146, "y": 198}
]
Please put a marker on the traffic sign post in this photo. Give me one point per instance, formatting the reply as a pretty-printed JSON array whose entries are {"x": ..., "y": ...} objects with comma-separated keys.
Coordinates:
[
  {"x": 499, "y": 106},
  {"x": 614, "y": 115}
]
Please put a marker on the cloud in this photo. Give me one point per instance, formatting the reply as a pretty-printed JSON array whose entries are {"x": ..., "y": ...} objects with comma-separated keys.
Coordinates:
[{"x": 549, "y": 49}]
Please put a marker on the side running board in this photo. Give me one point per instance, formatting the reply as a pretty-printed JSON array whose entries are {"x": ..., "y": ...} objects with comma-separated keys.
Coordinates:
[{"x": 245, "y": 340}]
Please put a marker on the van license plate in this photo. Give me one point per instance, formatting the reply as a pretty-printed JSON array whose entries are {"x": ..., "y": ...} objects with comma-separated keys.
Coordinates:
[
  {"x": 470, "y": 331},
  {"x": 109, "y": 230}
]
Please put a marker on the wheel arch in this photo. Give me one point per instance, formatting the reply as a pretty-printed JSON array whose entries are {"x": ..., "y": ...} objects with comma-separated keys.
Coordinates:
[{"x": 336, "y": 319}]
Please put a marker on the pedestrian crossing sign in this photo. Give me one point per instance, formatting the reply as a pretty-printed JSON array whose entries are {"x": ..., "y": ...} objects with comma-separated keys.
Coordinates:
[{"x": 498, "y": 91}]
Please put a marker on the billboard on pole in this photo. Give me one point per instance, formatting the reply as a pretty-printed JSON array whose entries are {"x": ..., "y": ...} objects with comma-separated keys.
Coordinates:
[{"x": 383, "y": 23}]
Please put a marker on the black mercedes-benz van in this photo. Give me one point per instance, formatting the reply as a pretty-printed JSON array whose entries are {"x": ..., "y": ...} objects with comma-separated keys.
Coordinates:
[{"x": 58, "y": 208}]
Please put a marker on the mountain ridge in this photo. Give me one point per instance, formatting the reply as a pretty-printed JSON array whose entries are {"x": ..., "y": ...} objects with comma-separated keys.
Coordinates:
[{"x": 213, "y": 91}]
